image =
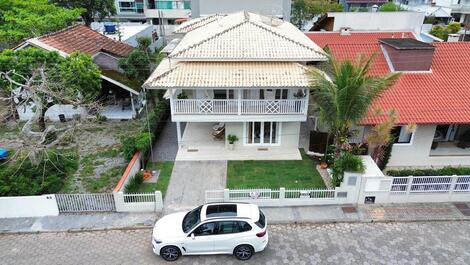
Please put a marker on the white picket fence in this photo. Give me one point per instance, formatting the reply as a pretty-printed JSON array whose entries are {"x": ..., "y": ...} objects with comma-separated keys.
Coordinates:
[
  {"x": 430, "y": 184},
  {"x": 273, "y": 197},
  {"x": 99, "y": 202}
]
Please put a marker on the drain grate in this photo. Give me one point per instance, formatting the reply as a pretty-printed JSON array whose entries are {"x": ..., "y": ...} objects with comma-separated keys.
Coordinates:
[
  {"x": 463, "y": 208},
  {"x": 193, "y": 150},
  {"x": 349, "y": 209}
]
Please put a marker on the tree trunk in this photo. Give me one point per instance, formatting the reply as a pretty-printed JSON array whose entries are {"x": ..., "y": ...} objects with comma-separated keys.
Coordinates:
[{"x": 42, "y": 119}]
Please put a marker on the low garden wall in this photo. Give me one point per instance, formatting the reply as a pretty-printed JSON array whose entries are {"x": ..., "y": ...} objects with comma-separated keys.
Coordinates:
[
  {"x": 132, "y": 169},
  {"x": 28, "y": 206}
]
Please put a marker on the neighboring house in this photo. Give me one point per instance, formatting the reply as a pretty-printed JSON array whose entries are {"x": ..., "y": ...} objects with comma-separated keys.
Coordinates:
[
  {"x": 278, "y": 8},
  {"x": 242, "y": 74},
  {"x": 431, "y": 93},
  {"x": 128, "y": 32},
  {"x": 121, "y": 96},
  {"x": 371, "y": 21},
  {"x": 157, "y": 12},
  {"x": 458, "y": 9},
  {"x": 361, "y": 5}
]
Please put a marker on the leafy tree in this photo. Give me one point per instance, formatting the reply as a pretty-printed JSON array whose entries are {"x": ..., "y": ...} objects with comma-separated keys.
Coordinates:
[
  {"x": 143, "y": 44},
  {"x": 305, "y": 10},
  {"x": 80, "y": 75},
  {"x": 91, "y": 8},
  {"x": 136, "y": 66},
  {"x": 46, "y": 78},
  {"x": 344, "y": 100},
  {"x": 454, "y": 27},
  {"x": 442, "y": 32},
  {"x": 21, "y": 19},
  {"x": 390, "y": 7}
]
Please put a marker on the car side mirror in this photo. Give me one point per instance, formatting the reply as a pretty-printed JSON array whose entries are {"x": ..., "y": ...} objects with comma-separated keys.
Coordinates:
[{"x": 192, "y": 236}]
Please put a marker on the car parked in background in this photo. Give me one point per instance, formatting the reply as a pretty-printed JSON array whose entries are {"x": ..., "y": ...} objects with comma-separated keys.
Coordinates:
[{"x": 217, "y": 228}]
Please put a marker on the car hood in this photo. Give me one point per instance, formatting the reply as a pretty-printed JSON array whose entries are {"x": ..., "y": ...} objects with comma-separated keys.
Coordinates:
[{"x": 169, "y": 226}]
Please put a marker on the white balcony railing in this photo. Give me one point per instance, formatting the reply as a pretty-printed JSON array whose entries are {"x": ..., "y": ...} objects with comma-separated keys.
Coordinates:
[{"x": 239, "y": 107}]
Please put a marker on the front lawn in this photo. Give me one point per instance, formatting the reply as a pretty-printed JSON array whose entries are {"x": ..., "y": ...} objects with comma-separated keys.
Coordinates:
[
  {"x": 165, "y": 167},
  {"x": 295, "y": 174}
]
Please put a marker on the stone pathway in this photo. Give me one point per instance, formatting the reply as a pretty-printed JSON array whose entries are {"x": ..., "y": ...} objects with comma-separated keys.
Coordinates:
[
  {"x": 362, "y": 243},
  {"x": 166, "y": 147},
  {"x": 189, "y": 181}
]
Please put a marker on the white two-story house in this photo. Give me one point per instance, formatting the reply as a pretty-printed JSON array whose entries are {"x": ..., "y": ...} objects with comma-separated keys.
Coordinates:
[{"x": 244, "y": 75}]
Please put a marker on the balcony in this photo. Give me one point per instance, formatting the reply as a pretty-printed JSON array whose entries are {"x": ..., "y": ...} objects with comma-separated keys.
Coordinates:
[{"x": 239, "y": 109}]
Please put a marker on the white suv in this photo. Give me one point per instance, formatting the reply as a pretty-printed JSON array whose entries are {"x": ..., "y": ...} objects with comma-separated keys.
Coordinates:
[{"x": 217, "y": 228}]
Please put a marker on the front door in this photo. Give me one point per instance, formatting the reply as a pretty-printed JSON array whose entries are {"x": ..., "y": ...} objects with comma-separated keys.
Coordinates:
[
  {"x": 263, "y": 133},
  {"x": 203, "y": 240}
]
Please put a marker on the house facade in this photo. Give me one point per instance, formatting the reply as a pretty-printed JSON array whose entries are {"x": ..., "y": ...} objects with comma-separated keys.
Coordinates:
[
  {"x": 430, "y": 97},
  {"x": 243, "y": 75}
]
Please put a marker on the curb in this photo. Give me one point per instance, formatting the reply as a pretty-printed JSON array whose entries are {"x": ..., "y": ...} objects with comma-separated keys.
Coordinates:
[{"x": 322, "y": 222}]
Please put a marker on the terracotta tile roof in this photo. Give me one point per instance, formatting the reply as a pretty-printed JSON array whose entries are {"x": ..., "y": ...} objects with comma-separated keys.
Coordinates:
[
  {"x": 228, "y": 75},
  {"x": 439, "y": 97},
  {"x": 328, "y": 37},
  {"x": 81, "y": 38}
]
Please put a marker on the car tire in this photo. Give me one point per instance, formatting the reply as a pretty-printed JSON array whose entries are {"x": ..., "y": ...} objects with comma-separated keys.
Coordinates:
[
  {"x": 170, "y": 253},
  {"x": 243, "y": 252}
]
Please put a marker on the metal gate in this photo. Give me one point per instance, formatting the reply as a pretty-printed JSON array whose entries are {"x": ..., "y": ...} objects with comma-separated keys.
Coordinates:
[{"x": 73, "y": 203}]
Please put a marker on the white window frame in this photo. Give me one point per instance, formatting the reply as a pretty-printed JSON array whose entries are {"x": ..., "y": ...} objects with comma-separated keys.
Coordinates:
[
  {"x": 402, "y": 128},
  {"x": 278, "y": 136}
]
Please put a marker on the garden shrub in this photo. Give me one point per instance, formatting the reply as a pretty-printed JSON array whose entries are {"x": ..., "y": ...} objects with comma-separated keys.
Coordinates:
[
  {"x": 18, "y": 178},
  {"x": 346, "y": 162},
  {"x": 134, "y": 183},
  {"x": 446, "y": 171},
  {"x": 390, "y": 7}
]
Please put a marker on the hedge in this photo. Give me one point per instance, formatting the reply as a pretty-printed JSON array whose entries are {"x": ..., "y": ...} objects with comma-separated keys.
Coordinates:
[{"x": 446, "y": 171}]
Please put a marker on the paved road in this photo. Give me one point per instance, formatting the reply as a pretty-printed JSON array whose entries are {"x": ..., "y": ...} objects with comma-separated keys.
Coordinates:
[{"x": 360, "y": 243}]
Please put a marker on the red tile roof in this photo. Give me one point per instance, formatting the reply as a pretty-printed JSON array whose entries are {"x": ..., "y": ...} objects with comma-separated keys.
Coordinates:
[
  {"x": 329, "y": 37},
  {"x": 81, "y": 38},
  {"x": 439, "y": 97}
]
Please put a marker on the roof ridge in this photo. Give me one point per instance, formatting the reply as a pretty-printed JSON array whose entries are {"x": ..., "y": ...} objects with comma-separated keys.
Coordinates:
[
  {"x": 282, "y": 36},
  {"x": 210, "y": 38},
  {"x": 195, "y": 21}
]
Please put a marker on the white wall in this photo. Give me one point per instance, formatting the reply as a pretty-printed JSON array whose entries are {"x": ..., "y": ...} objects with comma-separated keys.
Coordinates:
[
  {"x": 416, "y": 154},
  {"x": 279, "y": 8},
  {"x": 122, "y": 206},
  {"x": 373, "y": 21},
  {"x": 28, "y": 206}
]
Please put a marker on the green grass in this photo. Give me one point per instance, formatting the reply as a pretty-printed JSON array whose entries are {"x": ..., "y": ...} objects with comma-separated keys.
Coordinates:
[
  {"x": 294, "y": 174},
  {"x": 165, "y": 167},
  {"x": 105, "y": 182}
]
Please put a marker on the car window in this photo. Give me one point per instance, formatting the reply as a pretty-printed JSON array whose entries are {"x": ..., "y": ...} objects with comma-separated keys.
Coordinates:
[
  {"x": 206, "y": 229},
  {"x": 228, "y": 227},
  {"x": 191, "y": 219},
  {"x": 262, "y": 220},
  {"x": 244, "y": 226}
]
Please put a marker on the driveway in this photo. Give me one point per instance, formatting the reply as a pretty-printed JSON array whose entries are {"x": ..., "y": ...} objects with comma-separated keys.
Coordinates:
[
  {"x": 189, "y": 181},
  {"x": 166, "y": 147}
]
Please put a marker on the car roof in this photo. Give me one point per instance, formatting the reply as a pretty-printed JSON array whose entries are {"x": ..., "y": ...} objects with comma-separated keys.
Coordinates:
[{"x": 241, "y": 211}]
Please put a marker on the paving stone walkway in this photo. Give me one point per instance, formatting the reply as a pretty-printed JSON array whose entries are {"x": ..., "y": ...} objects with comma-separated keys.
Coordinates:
[
  {"x": 360, "y": 243},
  {"x": 166, "y": 147}
]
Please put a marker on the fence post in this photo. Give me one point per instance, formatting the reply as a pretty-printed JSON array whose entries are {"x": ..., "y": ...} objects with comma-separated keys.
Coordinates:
[
  {"x": 282, "y": 195},
  {"x": 453, "y": 183},
  {"x": 409, "y": 182},
  {"x": 226, "y": 195},
  {"x": 158, "y": 201}
]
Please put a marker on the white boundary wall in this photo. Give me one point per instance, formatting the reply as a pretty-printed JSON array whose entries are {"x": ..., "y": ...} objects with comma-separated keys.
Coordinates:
[
  {"x": 144, "y": 202},
  {"x": 28, "y": 206}
]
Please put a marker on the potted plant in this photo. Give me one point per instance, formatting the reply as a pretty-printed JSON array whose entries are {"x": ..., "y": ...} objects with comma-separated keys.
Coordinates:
[{"x": 231, "y": 141}]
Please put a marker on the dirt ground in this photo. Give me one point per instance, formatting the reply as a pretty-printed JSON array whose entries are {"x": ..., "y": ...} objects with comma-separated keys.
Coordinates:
[{"x": 99, "y": 149}]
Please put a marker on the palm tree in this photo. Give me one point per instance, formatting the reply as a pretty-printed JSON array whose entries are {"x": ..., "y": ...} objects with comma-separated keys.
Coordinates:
[{"x": 344, "y": 99}]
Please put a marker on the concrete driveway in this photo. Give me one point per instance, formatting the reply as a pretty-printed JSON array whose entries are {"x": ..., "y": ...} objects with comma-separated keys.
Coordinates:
[{"x": 189, "y": 181}]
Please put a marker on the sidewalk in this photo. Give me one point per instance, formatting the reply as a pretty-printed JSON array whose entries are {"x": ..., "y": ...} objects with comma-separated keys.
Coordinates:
[{"x": 306, "y": 214}]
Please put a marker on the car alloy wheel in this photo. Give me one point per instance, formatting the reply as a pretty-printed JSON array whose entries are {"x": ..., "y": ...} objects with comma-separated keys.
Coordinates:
[
  {"x": 170, "y": 253},
  {"x": 243, "y": 252}
]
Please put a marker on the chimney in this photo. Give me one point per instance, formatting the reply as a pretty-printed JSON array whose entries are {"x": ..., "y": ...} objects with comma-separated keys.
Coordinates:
[
  {"x": 345, "y": 31},
  {"x": 408, "y": 54}
]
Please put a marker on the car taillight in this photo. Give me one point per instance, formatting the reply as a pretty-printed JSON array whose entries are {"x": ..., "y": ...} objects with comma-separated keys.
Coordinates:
[{"x": 261, "y": 234}]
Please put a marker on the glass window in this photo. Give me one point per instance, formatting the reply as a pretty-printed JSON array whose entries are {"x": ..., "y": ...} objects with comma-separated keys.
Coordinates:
[
  {"x": 206, "y": 229},
  {"x": 267, "y": 132},
  {"x": 191, "y": 219},
  {"x": 257, "y": 133},
  {"x": 402, "y": 135},
  {"x": 228, "y": 227},
  {"x": 221, "y": 210},
  {"x": 262, "y": 220},
  {"x": 244, "y": 226},
  {"x": 262, "y": 133}
]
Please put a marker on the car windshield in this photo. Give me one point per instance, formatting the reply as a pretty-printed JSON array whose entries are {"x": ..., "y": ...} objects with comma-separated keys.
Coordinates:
[{"x": 191, "y": 219}]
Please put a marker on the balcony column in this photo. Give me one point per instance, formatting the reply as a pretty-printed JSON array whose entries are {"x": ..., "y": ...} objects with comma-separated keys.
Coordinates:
[
  {"x": 178, "y": 133},
  {"x": 307, "y": 97},
  {"x": 134, "y": 114},
  {"x": 239, "y": 101}
]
